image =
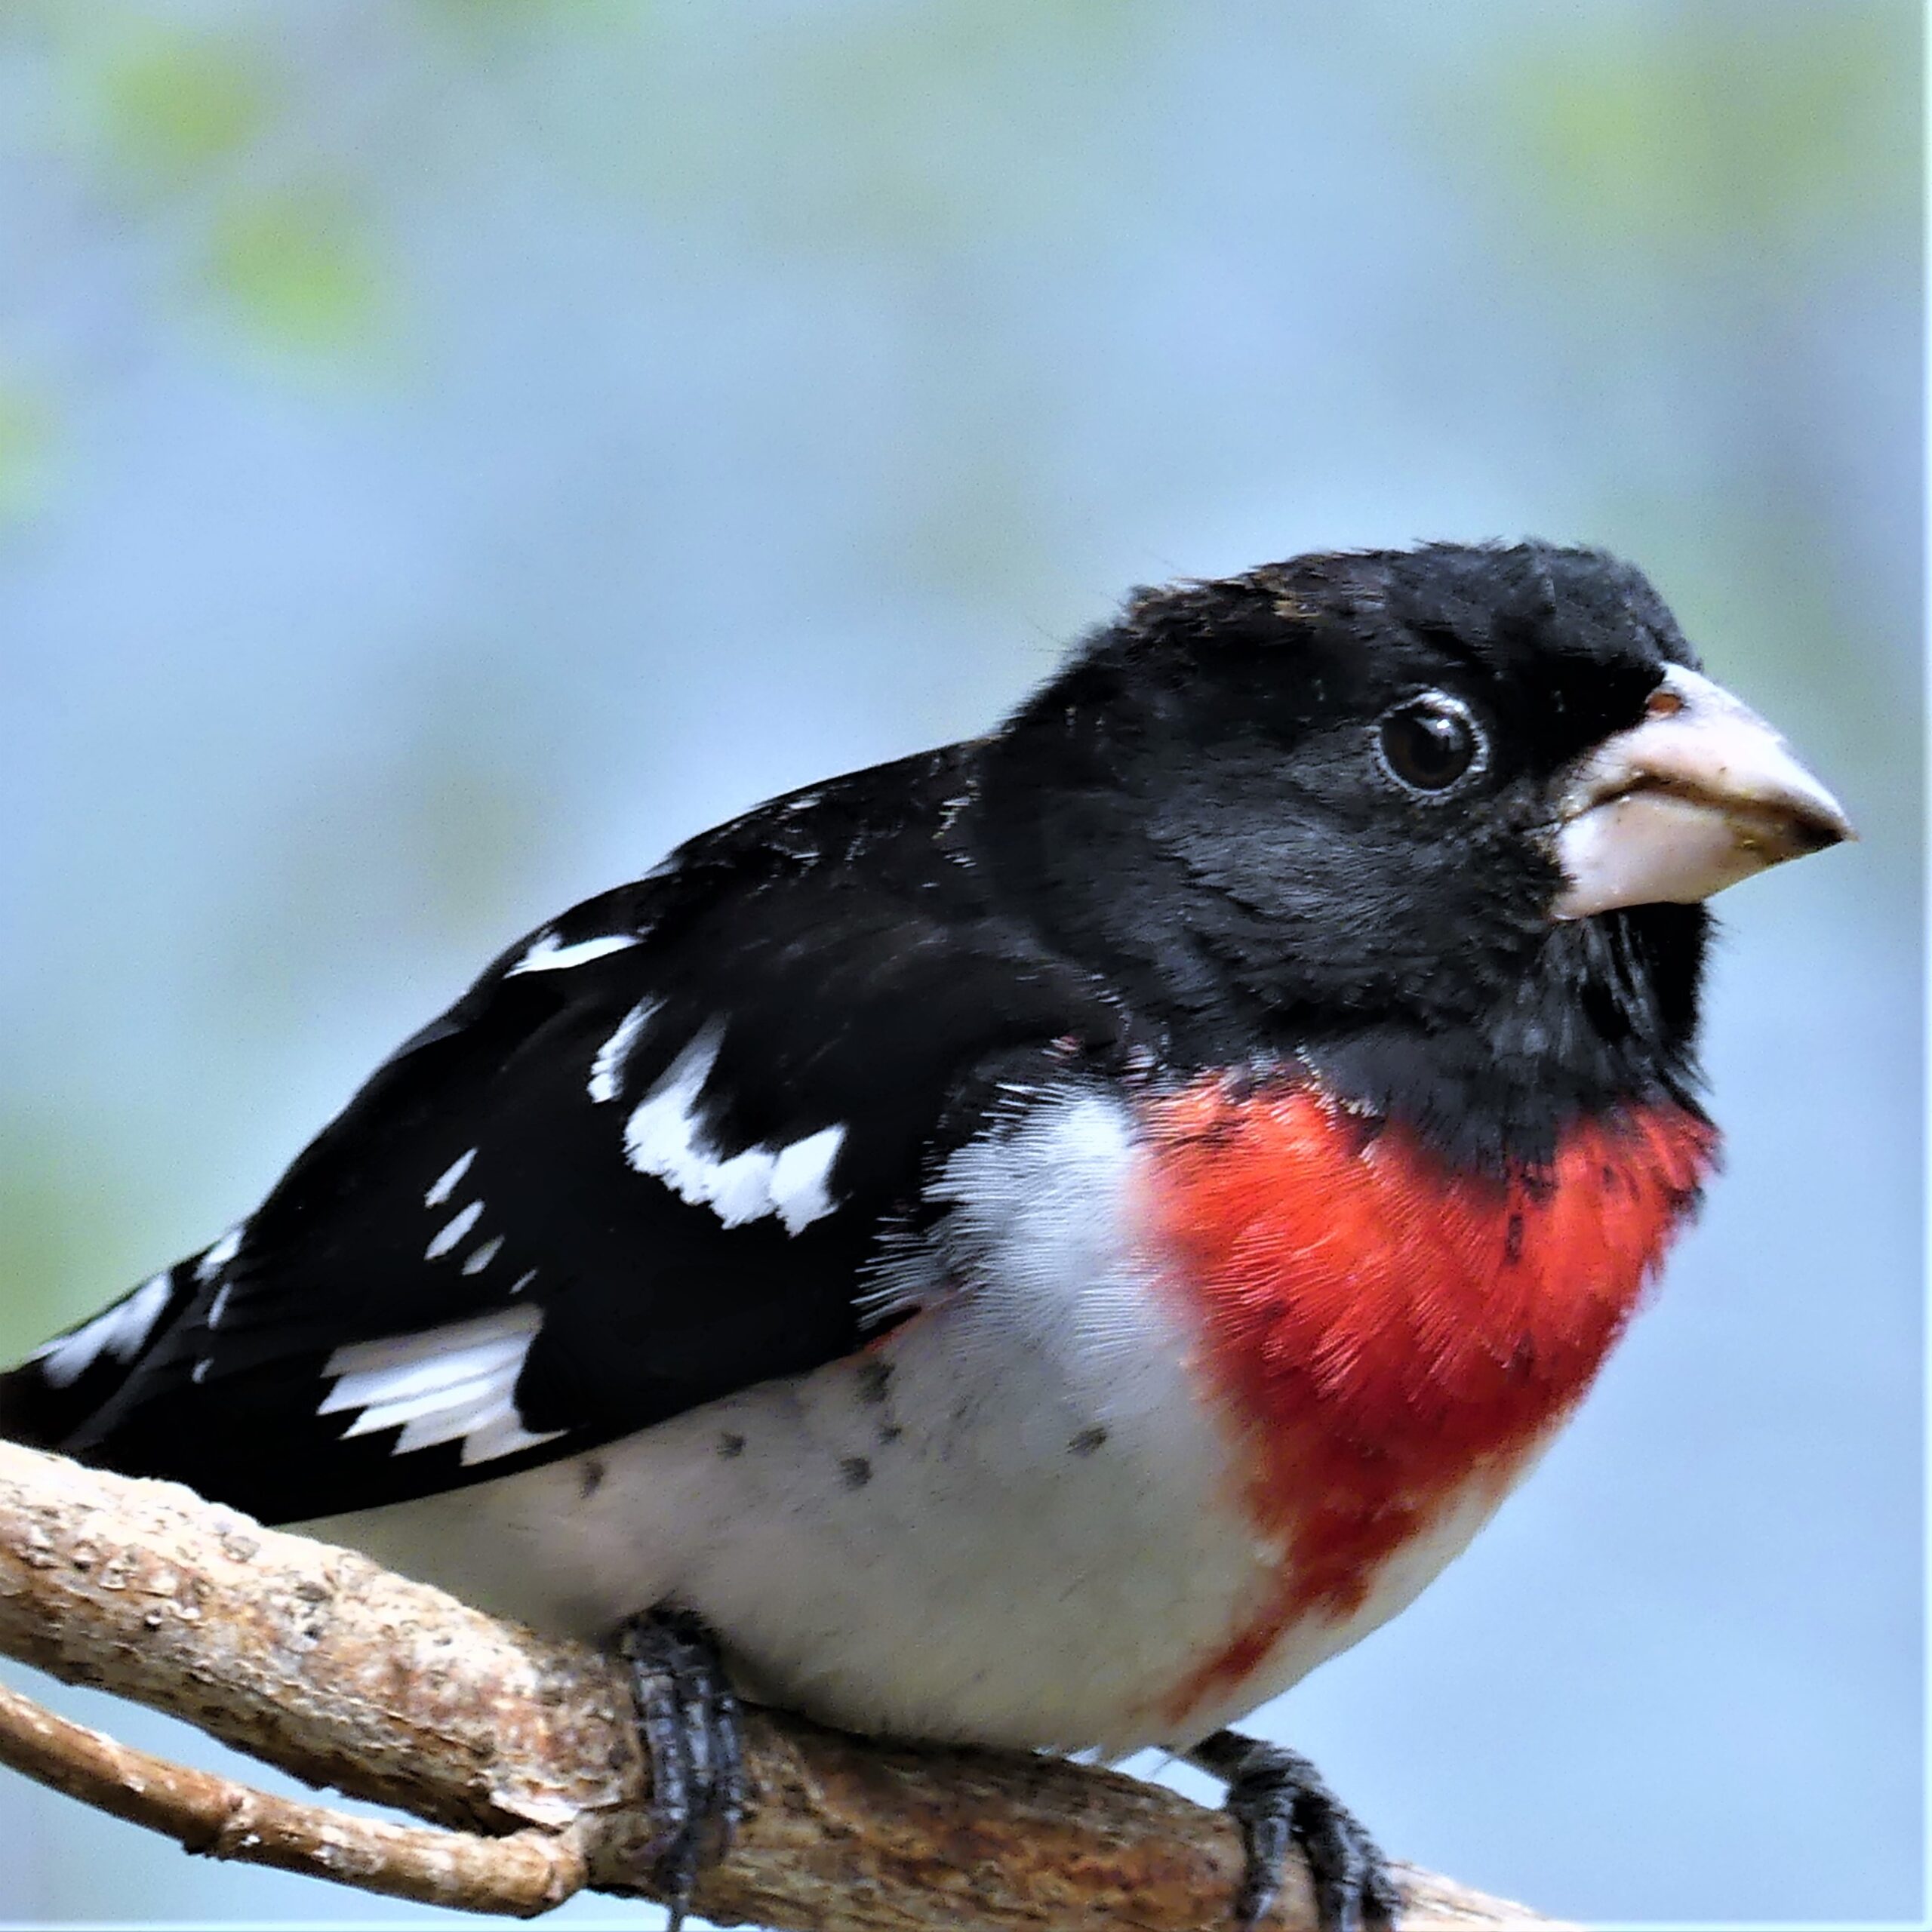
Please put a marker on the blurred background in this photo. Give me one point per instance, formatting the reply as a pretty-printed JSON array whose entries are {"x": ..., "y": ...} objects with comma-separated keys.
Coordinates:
[{"x": 450, "y": 451}]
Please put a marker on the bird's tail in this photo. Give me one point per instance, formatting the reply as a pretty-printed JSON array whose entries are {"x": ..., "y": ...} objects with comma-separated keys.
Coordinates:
[{"x": 55, "y": 1398}]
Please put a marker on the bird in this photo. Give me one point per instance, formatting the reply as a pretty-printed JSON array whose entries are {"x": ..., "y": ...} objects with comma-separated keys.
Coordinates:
[{"x": 1038, "y": 1244}]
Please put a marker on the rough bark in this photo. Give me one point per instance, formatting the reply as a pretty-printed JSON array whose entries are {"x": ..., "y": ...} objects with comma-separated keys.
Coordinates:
[{"x": 522, "y": 1750}]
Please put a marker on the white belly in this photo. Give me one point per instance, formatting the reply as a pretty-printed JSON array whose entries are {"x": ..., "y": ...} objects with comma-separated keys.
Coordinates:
[{"x": 1016, "y": 1519}]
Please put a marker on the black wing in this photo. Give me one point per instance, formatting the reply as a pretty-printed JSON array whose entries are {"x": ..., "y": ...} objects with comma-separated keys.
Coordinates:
[{"x": 645, "y": 1161}]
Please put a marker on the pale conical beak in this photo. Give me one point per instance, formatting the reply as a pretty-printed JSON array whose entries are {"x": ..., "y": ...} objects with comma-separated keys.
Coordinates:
[{"x": 1699, "y": 795}]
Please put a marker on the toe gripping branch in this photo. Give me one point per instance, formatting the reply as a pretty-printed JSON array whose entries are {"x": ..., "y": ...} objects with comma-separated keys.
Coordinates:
[
  {"x": 1278, "y": 1798},
  {"x": 688, "y": 1722},
  {"x": 687, "y": 1719}
]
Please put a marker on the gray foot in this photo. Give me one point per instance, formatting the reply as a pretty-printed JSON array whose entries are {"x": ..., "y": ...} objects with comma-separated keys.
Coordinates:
[
  {"x": 687, "y": 1719},
  {"x": 1278, "y": 1798}
]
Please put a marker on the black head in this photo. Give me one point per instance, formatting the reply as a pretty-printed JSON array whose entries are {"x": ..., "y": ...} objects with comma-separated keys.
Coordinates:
[{"x": 1311, "y": 809}]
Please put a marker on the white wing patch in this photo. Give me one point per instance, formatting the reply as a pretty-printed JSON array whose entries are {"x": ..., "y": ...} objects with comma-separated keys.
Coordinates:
[
  {"x": 549, "y": 954},
  {"x": 221, "y": 1255},
  {"x": 120, "y": 1331},
  {"x": 452, "y": 1231},
  {"x": 442, "y": 1385},
  {"x": 800, "y": 1174},
  {"x": 444, "y": 1184},
  {"x": 480, "y": 1258},
  {"x": 663, "y": 1138},
  {"x": 606, "y": 1070}
]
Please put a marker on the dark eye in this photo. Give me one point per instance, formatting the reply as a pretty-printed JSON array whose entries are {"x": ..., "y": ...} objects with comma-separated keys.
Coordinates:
[{"x": 1430, "y": 742}]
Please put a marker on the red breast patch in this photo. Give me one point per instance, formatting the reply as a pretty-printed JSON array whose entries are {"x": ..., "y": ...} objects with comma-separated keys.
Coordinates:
[{"x": 1389, "y": 1329}]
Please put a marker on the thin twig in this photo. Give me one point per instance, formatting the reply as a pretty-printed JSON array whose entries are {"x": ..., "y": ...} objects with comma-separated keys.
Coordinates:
[{"x": 519, "y": 1875}]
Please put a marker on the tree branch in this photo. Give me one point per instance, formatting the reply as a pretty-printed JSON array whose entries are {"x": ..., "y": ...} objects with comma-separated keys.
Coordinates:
[
  {"x": 522, "y": 1749},
  {"x": 522, "y": 1873}
]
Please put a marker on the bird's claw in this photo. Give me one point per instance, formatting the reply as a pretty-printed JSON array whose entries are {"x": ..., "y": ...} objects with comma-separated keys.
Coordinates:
[
  {"x": 1279, "y": 1799},
  {"x": 688, "y": 1723}
]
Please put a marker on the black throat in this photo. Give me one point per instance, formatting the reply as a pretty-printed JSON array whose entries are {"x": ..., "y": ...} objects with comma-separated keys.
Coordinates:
[{"x": 1605, "y": 1020}]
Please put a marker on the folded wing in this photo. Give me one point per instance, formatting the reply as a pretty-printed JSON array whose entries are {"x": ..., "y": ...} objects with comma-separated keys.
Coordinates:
[{"x": 651, "y": 1156}]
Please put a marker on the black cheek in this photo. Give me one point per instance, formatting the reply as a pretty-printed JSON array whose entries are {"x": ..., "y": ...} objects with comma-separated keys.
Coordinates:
[
  {"x": 591, "y": 1480},
  {"x": 855, "y": 1472},
  {"x": 1087, "y": 1442},
  {"x": 731, "y": 1443}
]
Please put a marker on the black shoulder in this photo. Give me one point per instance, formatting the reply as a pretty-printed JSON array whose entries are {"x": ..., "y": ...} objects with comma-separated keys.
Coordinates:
[{"x": 647, "y": 1158}]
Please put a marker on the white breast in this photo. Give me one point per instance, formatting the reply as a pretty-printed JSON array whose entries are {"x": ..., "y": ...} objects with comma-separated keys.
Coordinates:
[{"x": 1014, "y": 1519}]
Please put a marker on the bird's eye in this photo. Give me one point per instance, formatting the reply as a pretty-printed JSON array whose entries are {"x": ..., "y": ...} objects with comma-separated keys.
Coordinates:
[{"x": 1429, "y": 743}]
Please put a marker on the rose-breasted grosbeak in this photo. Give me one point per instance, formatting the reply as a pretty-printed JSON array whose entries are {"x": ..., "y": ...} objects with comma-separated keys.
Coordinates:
[{"x": 1042, "y": 1242}]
